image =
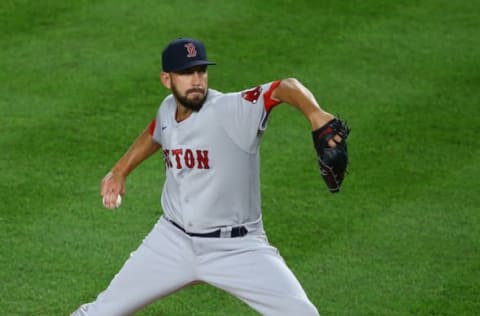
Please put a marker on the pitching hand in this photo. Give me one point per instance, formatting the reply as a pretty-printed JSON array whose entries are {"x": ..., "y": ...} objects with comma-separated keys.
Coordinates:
[{"x": 113, "y": 184}]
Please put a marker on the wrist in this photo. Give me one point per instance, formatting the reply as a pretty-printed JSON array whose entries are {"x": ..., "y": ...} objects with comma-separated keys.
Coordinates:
[{"x": 319, "y": 119}]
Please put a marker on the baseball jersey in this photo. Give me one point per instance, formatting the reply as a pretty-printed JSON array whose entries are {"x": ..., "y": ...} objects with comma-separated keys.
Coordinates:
[{"x": 212, "y": 158}]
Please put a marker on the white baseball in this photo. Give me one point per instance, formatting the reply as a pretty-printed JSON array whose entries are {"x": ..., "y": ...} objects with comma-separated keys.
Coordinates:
[{"x": 117, "y": 204}]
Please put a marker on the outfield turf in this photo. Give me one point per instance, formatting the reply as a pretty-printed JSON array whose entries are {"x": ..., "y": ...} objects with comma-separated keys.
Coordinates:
[{"x": 79, "y": 81}]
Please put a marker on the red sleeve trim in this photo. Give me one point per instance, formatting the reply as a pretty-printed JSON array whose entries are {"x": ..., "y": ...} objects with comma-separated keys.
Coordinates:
[
  {"x": 267, "y": 97},
  {"x": 151, "y": 128}
]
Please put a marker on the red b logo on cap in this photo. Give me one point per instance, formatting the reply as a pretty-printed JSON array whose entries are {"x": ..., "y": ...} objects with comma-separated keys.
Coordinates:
[{"x": 191, "y": 50}]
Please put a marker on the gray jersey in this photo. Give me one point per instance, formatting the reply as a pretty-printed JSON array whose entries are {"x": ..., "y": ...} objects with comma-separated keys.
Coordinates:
[{"x": 212, "y": 159}]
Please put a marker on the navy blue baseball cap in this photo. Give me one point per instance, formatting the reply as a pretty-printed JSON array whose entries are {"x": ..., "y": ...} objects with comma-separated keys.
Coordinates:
[{"x": 184, "y": 53}]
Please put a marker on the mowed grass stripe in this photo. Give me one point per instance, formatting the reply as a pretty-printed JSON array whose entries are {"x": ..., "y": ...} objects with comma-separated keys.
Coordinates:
[{"x": 393, "y": 70}]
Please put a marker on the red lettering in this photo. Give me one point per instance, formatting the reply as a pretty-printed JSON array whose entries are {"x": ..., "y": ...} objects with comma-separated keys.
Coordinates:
[
  {"x": 177, "y": 153},
  {"x": 189, "y": 159},
  {"x": 202, "y": 158},
  {"x": 191, "y": 49},
  {"x": 166, "y": 158}
]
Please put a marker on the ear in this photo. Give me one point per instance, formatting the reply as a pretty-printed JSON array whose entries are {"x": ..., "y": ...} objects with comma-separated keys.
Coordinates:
[{"x": 165, "y": 79}]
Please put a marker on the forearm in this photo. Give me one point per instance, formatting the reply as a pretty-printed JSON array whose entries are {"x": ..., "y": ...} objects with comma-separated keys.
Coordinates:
[
  {"x": 293, "y": 92},
  {"x": 143, "y": 147}
]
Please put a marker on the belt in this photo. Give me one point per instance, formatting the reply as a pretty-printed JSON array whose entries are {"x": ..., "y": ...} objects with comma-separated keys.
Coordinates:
[{"x": 238, "y": 231}]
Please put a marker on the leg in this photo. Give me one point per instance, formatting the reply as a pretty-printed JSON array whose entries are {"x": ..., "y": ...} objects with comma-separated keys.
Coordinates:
[
  {"x": 252, "y": 270},
  {"x": 160, "y": 266}
]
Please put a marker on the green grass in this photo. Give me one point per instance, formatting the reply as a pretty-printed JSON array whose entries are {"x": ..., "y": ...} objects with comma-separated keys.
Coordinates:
[{"x": 79, "y": 81}]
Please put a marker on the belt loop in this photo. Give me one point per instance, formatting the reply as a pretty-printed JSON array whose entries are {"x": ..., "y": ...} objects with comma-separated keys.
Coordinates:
[{"x": 226, "y": 232}]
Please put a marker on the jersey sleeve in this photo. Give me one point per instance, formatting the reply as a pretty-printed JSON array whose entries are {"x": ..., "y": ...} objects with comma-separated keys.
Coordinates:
[
  {"x": 155, "y": 130},
  {"x": 245, "y": 114},
  {"x": 158, "y": 124}
]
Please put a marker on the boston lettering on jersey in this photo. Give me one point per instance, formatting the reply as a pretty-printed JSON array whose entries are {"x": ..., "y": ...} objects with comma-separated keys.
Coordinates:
[{"x": 180, "y": 158}]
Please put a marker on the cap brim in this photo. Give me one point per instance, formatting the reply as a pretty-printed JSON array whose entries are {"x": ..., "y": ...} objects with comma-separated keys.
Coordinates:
[{"x": 193, "y": 64}]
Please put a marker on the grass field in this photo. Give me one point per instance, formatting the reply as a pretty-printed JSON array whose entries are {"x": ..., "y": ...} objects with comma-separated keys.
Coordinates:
[{"x": 79, "y": 81}]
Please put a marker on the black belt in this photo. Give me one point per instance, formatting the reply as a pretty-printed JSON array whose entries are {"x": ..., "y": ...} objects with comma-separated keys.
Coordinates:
[{"x": 238, "y": 231}]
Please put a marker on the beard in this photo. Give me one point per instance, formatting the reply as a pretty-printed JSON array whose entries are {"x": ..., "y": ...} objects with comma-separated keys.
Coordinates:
[{"x": 194, "y": 104}]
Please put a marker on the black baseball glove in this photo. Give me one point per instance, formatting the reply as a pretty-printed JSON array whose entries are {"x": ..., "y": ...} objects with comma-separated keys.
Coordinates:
[{"x": 332, "y": 160}]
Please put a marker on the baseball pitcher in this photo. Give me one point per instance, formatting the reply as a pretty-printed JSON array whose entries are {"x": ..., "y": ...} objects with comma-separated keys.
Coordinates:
[{"x": 211, "y": 230}]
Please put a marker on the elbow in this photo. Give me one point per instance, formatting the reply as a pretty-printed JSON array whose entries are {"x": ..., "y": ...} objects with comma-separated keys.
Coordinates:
[
  {"x": 292, "y": 86},
  {"x": 290, "y": 82}
]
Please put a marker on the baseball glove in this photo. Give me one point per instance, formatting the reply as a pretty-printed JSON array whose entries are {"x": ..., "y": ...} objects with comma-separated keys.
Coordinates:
[{"x": 332, "y": 160}]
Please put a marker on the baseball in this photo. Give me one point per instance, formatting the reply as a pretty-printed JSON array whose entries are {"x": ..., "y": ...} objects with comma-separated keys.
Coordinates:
[{"x": 117, "y": 204}]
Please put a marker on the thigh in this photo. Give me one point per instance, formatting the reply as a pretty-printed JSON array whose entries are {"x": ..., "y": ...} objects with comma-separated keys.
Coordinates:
[
  {"x": 161, "y": 265},
  {"x": 252, "y": 270}
]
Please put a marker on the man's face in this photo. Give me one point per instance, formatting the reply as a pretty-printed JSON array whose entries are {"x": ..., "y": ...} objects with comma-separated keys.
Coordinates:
[{"x": 190, "y": 87}]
